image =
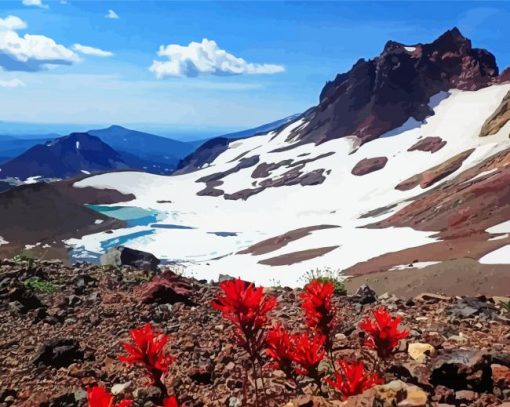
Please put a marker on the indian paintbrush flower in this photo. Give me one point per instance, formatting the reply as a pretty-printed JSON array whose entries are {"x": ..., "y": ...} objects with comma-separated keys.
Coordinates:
[
  {"x": 383, "y": 332},
  {"x": 318, "y": 308},
  {"x": 351, "y": 378},
  {"x": 98, "y": 397}
]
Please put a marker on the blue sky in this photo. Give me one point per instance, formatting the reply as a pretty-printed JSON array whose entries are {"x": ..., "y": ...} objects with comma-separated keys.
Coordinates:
[{"x": 290, "y": 49}]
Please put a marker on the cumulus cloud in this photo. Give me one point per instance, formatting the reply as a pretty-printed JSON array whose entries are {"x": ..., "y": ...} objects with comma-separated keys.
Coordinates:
[
  {"x": 30, "y": 53},
  {"x": 112, "y": 15},
  {"x": 12, "y": 23},
  {"x": 202, "y": 58},
  {"x": 34, "y": 3},
  {"x": 85, "y": 49},
  {"x": 12, "y": 83}
]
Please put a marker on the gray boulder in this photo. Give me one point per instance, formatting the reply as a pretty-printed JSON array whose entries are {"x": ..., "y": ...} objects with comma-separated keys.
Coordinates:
[{"x": 124, "y": 256}]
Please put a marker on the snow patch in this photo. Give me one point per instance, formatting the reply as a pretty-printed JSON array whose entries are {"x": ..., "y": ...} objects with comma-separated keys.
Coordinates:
[
  {"x": 500, "y": 228},
  {"x": 417, "y": 265},
  {"x": 498, "y": 256},
  {"x": 3, "y": 241},
  {"x": 499, "y": 237},
  {"x": 33, "y": 180}
]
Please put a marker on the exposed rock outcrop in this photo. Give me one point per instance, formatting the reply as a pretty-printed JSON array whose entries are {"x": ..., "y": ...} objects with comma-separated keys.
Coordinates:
[
  {"x": 429, "y": 144},
  {"x": 498, "y": 119},
  {"x": 277, "y": 242},
  {"x": 368, "y": 165},
  {"x": 435, "y": 174},
  {"x": 167, "y": 288}
]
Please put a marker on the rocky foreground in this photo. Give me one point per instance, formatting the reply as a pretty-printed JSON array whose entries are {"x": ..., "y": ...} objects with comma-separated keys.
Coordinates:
[{"x": 61, "y": 329}]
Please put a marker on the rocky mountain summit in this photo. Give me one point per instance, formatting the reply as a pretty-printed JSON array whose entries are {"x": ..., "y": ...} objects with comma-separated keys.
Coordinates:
[
  {"x": 62, "y": 328},
  {"x": 380, "y": 94}
]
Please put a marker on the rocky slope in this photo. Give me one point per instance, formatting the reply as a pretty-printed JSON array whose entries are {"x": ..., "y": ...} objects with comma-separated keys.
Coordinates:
[
  {"x": 58, "y": 213},
  {"x": 62, "y": 327}
]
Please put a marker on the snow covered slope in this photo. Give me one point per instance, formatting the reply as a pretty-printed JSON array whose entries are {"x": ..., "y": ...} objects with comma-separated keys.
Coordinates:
[{"x": 271, "y": 208}]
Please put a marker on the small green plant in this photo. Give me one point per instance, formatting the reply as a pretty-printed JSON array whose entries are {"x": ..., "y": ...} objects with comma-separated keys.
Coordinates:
[
  {"x": 326, "y": 275},
  {"x": 25, "y": 256},
  {"x": 505, "y": 306},
  {"x": 276, "y": 283},
  {"x": 40, "y": 285}
]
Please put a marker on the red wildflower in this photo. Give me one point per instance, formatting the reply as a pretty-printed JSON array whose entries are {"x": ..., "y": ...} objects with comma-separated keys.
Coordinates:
[
  {"x": 170, "y": 402},
  {"x": 279, "y": 347},
  {"x": 247, "y": 308},
  {"x": 307, "y": 353},
  {"x": 383, "y": 331},
  {"x": 98, "y": 397},
  {"x": 148, "y": 351},
  {"x": 319, "y": 312},
  {"x": 352, "y": 378}
]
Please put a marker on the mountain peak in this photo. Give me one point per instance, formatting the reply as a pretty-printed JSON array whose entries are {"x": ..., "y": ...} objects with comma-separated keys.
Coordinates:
[
  {"x": 116, "y": 127},
  {"x": 381, "y": 94},
  {"x": 64, "y": 157}
]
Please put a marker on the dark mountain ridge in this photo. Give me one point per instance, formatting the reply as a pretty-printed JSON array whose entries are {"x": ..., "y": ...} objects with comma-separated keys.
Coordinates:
[
  {"x": 64, "y": 157},
  {"x": 145, "y": 151},
  {"x": 381, "y": 94}
]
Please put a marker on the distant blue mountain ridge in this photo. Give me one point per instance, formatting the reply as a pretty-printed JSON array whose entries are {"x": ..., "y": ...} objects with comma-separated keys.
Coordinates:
[{"x": 27, "y": 156}]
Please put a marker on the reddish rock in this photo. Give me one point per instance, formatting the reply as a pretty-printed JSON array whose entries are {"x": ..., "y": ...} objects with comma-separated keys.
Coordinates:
[
  {"x": 464, "y": 206},
  {"x": 430, "y": 144},
  {"x": 297, "y": 257},
  {"x": 277, "y": 242},
  {"x": 381, "y": 94},
  {"x": 368, "y": 165},
  {"x": 435, "y": 174},
  {"x": 167, "y": 288},
  {"x": 501, "y": 376},
  {"x": 498, "y": 119},
  {"x": 505, "y": 76}
]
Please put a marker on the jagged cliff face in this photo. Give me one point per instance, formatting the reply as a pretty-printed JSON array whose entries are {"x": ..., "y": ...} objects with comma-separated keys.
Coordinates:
[{"x": 380, "y": 94}]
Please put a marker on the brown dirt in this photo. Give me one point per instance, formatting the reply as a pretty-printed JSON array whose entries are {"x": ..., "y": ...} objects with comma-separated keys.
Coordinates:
[
  {"x": 297, "y": 257},
  {"x": 452, "y": 277},
  {"x": 473, "y": 247},
  {"x": 274, "y": 243},
  {"x": 48, "y": 213}
]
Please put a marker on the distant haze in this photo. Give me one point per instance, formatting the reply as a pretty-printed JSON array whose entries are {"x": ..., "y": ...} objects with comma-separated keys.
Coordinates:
[{"x": 183, "y": 133}]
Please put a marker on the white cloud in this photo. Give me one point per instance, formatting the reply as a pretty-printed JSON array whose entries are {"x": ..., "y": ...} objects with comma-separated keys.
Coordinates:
[
  {"x": 12, "y": 23},
  {"x": 112, "y": 15},
  {"x": 205, "y": 57},
  {"x": 31, "y": 53},
  {"x": 85, "y": 49},
  {"x": 35, "y": 3},
  {"x": 12, "y": 83}
]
